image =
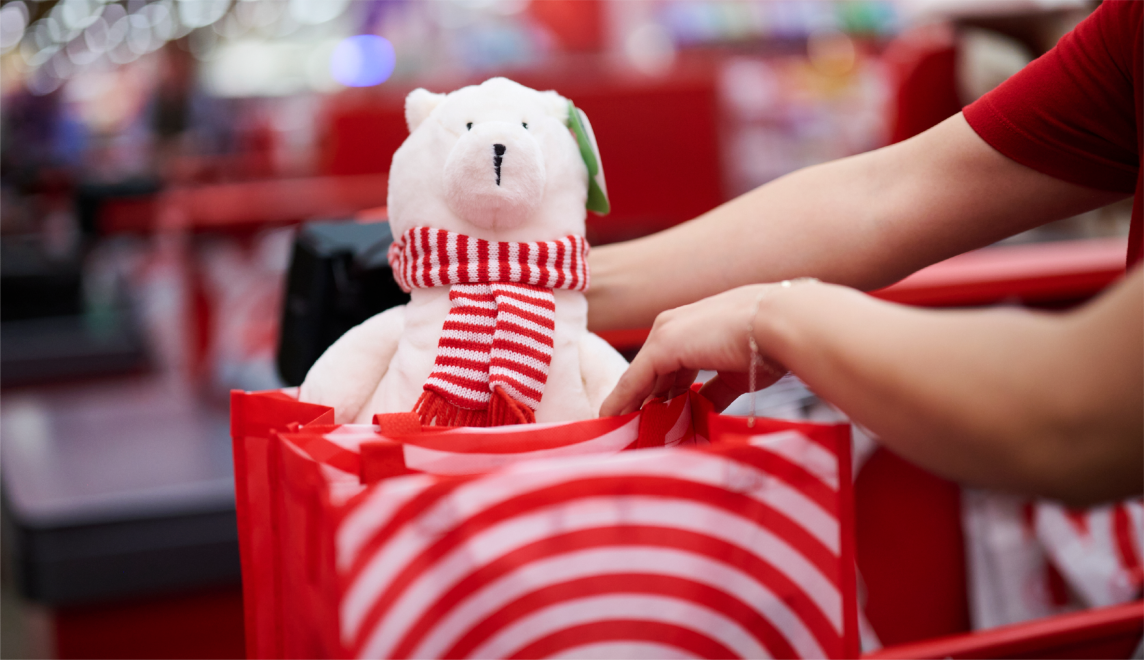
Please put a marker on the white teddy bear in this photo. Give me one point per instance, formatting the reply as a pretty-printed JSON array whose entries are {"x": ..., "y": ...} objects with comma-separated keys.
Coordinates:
[{"x": 487, "y": 201}]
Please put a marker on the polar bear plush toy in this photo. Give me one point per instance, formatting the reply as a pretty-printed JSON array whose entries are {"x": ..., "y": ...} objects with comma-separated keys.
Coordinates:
[{"x": 487, "y": 201}]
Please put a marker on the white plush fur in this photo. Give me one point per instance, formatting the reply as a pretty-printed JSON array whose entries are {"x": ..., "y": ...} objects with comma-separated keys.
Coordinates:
[{"x": 443, "y": 177}]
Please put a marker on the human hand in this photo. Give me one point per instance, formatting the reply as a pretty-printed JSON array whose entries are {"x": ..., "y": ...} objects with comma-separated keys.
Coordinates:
[{"x": 709, "y": 334}]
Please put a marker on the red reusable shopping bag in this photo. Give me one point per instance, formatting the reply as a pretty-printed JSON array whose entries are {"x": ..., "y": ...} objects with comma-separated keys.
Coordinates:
[{"x": 389, "y": 540}]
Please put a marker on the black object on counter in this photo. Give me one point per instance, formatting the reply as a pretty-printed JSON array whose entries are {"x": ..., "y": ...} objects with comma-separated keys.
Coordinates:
[
  {"x": 339, "y": 276},
  {"x": 120, "y": 490}
]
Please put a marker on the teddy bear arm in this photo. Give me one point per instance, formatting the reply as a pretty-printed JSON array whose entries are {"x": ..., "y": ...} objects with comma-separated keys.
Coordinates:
[
  {"x": 600, "y": 368},
  {"x": 348, "y": 372}
]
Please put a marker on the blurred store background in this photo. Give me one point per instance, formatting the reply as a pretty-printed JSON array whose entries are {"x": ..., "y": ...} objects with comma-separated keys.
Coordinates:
[{"x": 158, "y": 156}]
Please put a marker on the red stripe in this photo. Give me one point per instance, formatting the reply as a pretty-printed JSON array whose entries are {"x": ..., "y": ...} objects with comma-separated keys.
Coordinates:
[
  {"x": 694, "y": 644},
  {"x": 645, "y": 583},
  {"x": 462, "y": 258},
  {"x": 514, "y": 367},
  {"x": 508, "y": 326},
  {"x": 461, "y": 381},
  {"x": 510, "y": 307},
  {"x": 515, "y": 292},
  {"x": 705, "y": 546},
  {"x": 443, "y": 256},
  {"x": 514, "y": 384},
  {"x": 502, "y": 346},
  {"x": 560, "y": 274},
  {"x": 519, "y": 439},
  {"x": 734, "y": 503},
  {"x": 525, "y": 267},
  {"x": 542, "y": 262},
  {"x": 637, "y": 628},
  {"x": 792, "y": 474}
]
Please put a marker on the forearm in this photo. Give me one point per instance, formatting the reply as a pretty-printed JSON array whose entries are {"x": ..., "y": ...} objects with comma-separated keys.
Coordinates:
[
  {"x": 1047, "y": 404},
  {"x": 864, "y": 221}
]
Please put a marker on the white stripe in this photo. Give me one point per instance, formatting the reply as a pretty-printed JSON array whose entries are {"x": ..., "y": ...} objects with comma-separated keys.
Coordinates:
[
  {"x": 464, "y": 353},
  {"x": 507, "y": 384},
  {"x": 532, "y": 309},
  {"x": 440, "y": 462},
  {"x": 602, "y": 561},
  {"x": 476, "y": 396},
  {"x": 534, "y": 267},
  {"x": 494, "y": 261},
  {"x": 467, "y": 300},
  {"x": 462, "y": 335},
  {"x": 375, "y": 512},
  {"x": 560, "y": 616},
  {"x": 474, "y": 258},
  {"x": 454, "y": 262},
  {"x": 802, "y": 451},
  {"x": 472, "y": 319},
  {"x": 508, "y": 335},
  {"x": 625, "y": 649},
  {"x": 519, "y": 358},
  {"x": 527, "y": 325},
  {"x": 514, "y": 262},
  {"x": 678, "y": 433},
  {"x": 461, "y": 372},
  {"x": 434, "y": 262},
  {"x": 551, "y": 264},
  {"x": 522, "y": 290},
  {"x": 516, "y": 480}
]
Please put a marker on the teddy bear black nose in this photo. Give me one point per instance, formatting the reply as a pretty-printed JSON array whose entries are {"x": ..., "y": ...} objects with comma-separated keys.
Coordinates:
[{"x": 498, "y": 152}]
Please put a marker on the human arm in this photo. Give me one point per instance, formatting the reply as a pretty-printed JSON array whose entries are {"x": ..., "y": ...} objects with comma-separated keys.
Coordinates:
[
  {"x": 864, "y": 221},
  {"x": 1043, "y": 403}
]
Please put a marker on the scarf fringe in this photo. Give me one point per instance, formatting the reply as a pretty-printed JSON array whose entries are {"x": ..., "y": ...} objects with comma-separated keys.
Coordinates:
[{"x": 434, "y": 410}]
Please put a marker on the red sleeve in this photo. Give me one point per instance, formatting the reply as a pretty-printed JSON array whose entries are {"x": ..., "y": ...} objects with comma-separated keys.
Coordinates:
[{"x": 1071, "y": 113}]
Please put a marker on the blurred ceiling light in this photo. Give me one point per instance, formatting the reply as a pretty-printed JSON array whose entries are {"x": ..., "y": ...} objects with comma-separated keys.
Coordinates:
[
  {"x": 162, "y": 21},
  {"x": 119, "y": 48},
  {"x": 364, "y": 60},
  {"x": 204, "y": 44},
  {"x": 831, "y": 52},
  {"x": 65, "y": 31},
  {"x": 318, "y": 67},
  {"x": 95, "y": 36},
  {"x": 200, "y": 13},
  {"x": 251, "y": 67},
  {"x": 139, "y": 36},
  {"x": 116, "y": 30},
  {"x": 78, "y": 14},
  {"x": 313, "y": 12},
  {"x": 13, "y": 22},
  {"x": 41, "y": 56},
  {"x": 258, "y": 13},
  {"x": 61, "y": 65},
  {"x": 649, "y": 48},
  {"x": 79, "y": 53}
]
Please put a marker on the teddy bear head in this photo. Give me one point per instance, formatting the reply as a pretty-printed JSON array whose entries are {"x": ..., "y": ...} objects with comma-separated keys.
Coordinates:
[{"x": 495, "y": 161}]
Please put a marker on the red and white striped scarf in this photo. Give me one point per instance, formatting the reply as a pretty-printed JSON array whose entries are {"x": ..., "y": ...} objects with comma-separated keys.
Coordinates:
[{"x": 496, "y": 344}]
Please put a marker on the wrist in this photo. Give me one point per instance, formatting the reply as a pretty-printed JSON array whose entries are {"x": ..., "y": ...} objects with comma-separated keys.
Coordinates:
[{"x": 777, "y": 324}]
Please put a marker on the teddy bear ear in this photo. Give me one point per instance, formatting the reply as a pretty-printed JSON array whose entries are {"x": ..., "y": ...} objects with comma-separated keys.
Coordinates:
[
  {"x": 418, "y": 105},
  {"x": 555, "y": 105}
]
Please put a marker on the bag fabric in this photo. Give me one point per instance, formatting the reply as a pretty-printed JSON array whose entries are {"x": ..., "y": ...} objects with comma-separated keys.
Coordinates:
[{"x": 714, "y": 539}]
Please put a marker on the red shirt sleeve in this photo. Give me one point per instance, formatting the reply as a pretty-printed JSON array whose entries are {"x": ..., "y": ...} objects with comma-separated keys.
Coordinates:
[{"x": 1072, "y": 113}]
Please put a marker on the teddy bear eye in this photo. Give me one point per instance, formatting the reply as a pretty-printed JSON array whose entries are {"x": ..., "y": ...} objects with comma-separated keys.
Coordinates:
[
  {"x": 524, "y": 124},
  {"x": 469, "y": 126}
]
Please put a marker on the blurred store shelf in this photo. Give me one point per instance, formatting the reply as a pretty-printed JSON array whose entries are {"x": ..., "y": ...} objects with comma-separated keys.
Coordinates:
[{"x": 244, "y": 206}]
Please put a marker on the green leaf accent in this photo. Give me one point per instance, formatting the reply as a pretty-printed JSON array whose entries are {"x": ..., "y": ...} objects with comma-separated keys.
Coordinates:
[{"x": 597, "y": 200}]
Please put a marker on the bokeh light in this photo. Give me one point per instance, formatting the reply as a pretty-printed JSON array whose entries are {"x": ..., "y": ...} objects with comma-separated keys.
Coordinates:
[{"x": 362, "y": 61}]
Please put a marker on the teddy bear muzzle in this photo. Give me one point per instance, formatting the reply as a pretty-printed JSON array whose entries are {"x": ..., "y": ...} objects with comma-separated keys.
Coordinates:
[{"x": 495, "y": 175}]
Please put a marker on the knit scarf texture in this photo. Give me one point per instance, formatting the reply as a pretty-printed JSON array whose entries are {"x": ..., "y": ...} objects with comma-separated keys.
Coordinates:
[{"x": 497, "y": 341}]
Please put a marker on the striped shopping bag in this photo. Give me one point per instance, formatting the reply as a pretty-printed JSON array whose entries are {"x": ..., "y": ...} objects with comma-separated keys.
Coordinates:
[{"x": 714, "y": 540}]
